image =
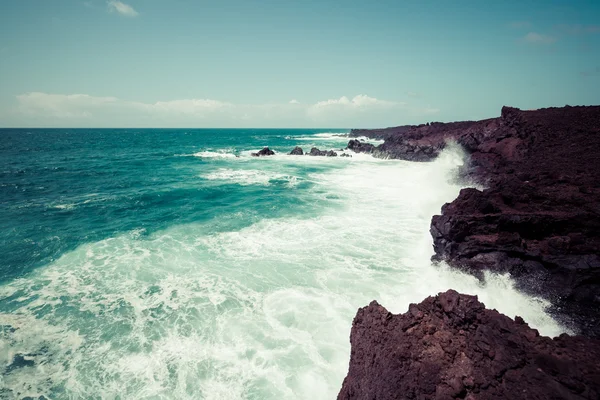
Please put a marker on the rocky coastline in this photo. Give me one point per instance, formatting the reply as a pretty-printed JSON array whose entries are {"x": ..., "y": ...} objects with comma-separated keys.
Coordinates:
[{"x": 538, "y": 219}]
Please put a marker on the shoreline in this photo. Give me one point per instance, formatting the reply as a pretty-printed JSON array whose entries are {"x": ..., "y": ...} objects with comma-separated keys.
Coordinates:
[{"x": 538, "y": 219}]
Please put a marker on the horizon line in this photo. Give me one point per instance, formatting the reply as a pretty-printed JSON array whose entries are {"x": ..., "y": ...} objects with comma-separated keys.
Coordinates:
[{"x": 50, "y": 127}]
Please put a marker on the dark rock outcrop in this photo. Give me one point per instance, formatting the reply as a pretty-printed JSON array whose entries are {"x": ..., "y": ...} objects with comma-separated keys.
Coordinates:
[
  {"x": 451, "y": 347},
  {"x": 411, "y": 142},
  {"x": 381, "y": 134},
  {"x": 360, "y": 147},
  {"x": 297, "y": 151},
  {"x": 316, "y": 152},
  {"x": 264, "y": 152},
  {"x": 539, "y": 216},
  {"x": 539, "y": 220}
]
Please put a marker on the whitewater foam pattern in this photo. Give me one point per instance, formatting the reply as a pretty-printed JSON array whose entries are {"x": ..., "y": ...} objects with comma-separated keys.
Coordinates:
[{"x": 263, "y": 310}]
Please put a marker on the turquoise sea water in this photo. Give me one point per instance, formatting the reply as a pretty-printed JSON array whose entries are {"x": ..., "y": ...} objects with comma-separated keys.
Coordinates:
[{"x": 155, "y": 264}]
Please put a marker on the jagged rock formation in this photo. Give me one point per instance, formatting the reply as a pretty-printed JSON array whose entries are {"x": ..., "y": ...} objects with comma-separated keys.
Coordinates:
[
  {"x": 383, "y": 133},
  {"x": 538, "y": 218},
  {"x": 413, "y": 142},
  {"x": 316, "y": 152},
  {"x": 264, "y": 152},
  {"x": 451, "y": 347}
]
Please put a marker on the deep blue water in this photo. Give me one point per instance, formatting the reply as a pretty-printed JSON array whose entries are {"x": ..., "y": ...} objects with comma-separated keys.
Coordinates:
[{"x": 64, "y": 187}]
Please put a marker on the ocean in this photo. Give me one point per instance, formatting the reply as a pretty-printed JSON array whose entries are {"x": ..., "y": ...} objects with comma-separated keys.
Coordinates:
[{"x": 171, "y": 264}]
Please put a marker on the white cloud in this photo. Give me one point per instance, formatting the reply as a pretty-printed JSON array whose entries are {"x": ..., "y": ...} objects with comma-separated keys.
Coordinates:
[
  {"x": 121, "y": 8},
  {"x": 83, "y": 105},
  {"x": 188, "y": 106},
  {"x": 294, "y": 101},
  {"x": 538, "y": 38},
  {"x": 61, "y": 106},
  {"x": 359, "y": 101},
  {"x": 361, "y": 110},
  {"x": 43, "y": 109}
]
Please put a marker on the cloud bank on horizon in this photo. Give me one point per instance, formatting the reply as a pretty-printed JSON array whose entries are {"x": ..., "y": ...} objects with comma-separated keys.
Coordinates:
[
  {"x": 244, "y": 63},
  {"x": 84, "y": 110}
]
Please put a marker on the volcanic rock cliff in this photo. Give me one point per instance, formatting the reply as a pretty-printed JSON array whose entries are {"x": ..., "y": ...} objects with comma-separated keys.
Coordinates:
[
  {"x": 539, "y": 216},
  {"x": 451, "y": 347}
]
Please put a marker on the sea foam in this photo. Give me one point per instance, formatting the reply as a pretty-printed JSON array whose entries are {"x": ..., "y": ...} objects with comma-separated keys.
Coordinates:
[
  {"x": 214, "y": 154},
  {"x": 250, "y": 177},
  {"x": 262, "y": 312}
]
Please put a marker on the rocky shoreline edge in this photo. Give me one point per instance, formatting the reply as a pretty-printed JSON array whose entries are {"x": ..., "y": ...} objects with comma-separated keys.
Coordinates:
[{"x": 538, "y": 219}]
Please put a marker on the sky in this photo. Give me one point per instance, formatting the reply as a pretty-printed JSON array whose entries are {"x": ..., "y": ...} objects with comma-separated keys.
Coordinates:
[{"x": 283, "y": 63}]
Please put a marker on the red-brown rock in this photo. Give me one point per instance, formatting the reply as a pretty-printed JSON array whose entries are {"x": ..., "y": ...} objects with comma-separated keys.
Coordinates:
[
  {"x": 451, "y": 347},
  {"x": 539, "y": 216}
]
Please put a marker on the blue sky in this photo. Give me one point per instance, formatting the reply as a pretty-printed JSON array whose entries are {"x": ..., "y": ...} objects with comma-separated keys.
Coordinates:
[{"x": 234, "y": 63}]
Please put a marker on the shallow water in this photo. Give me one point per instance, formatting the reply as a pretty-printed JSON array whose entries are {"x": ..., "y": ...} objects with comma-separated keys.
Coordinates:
[{"x": 150, "y": 264}]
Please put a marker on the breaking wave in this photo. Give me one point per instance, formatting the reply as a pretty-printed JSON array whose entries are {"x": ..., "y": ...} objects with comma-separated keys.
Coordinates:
[
  {"x": 249, "y": 177},
  {"x": 260, "y": 312},
  {"x": 215, "y": 154}
]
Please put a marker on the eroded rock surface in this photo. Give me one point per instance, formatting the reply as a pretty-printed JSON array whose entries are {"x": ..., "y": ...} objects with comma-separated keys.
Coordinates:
[{"x": 451, "y": 347}]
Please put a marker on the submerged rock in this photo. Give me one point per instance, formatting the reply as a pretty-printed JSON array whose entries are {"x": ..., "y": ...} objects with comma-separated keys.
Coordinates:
[
  {"x": 451, "y": 347},
  {"x": 297, "y": 151},
  {"x": 264, "y": 152},
  {"x": 331, "y": 153}
]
